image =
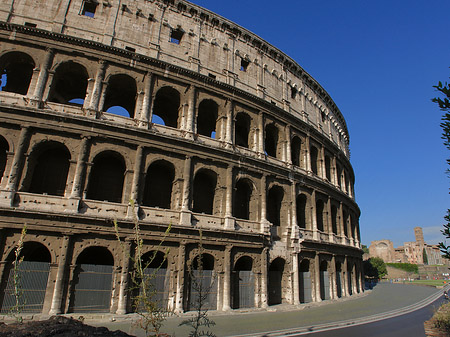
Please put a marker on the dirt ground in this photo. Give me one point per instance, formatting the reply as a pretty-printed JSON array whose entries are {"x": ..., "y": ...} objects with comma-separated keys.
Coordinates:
[{"x": 56, "y": 326}]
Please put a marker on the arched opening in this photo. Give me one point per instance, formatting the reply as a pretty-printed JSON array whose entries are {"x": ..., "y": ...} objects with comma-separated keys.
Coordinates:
[
  {"x": 204, "y": 191},
  {"x": 271, "y": 140},
  {"x": 345, "y": 223},
  {"x": 158, "y": 185},
  {"x": 4, "y": 149},
  {"x": 314, "y": 153},
  {"x": 49, "y": 166},
  {"x": 242, "y": 129},
  {"x": 207, "y": 117},
  {"x": 202, "y": 283},
  {"x": 324, "y": 281},
  {"x": 334, "y": 219},
  {"x": 16, "y": 70},
  {"x": 243, "y": 284},
  {"x": 301, "y": 210},
  {"x": 165, "y": 108},
  {"x": 320, "y": 215},
  {"x": 276, "y": 270},
  {"x": 338, "y": 279},
  {"x": 305, "y": 282},
  {"x": 353, "y": 228},
  {"x": 349, "y": 278},
  {"x": 92, "y": 281},
  {"x": 69, "y": 84},
  {"x": 32, "y": 274},
  {"x": 106, "y": 178},
  {"x": 328, "y": 168},
  {"x": 242, "y": 196},
  {"x": 121, "y": 92},
  {"x": 274, "y": 200},
  {"x": 155, "y": 269},
  {"x": 339, "y": 175},
  {"x": 296, "y": 147}
]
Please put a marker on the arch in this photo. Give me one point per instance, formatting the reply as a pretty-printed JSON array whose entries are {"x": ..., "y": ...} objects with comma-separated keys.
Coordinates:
[
  {"x": 301, "y": 210},
  {"x": 242, "y": 129},
  {"x": 69, "y": 84},
  {"x": 33, "y": 273},
  {"x": 334, "y": 219},
  {"x": 93, "y": 274},
  {"x": 349, "y": 278},
  {"x": 167, "y": 103},
  {"x": 271, "y": 140},
  {"x": 4, "y": 149},
  {"x": 48, "y": 168},
  {"x": 243, "y": 284},
  {"x": 328, "y": 168},
  {"x": 345, "y": 223},
  {"x": 274, "y": 201},
  {"x": 276, "y": 270},
  {"x": 207, "y": 117},
  {"x": 202, "y": 282},
  {"x": 314, "y": 155},
  {"x": 204, "y": 191},
  {"x": 305, "y": 291},
  {"x": 352, "y": 227},
  {"x": 324, "y": 281},
  {"x": 296, "y": 150},
  {"x": 242, "y": 199},
  {"x": 121, "y": 93},
  {"x": 158, "y": 185},
  {"x": 320, "y": 215},
  {"x": 16, "y": 68},
  {"x": 338, "y": 279},
  {"x": 107, "y": 177}
]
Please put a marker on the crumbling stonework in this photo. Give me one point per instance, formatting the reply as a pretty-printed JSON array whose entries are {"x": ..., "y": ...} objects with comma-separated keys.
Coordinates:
[{"x": 200, "y": 122}]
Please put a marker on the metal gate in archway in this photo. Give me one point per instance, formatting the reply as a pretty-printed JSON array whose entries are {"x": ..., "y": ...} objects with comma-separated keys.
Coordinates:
[
  {"x": 92, "y": 290},
  {"x": 324, "y": 285},
  {"x": 305, "y": 287},
  {"x": 159, "y": 287},
  {"x": 243, "y": 289},
  {"x": 202, "y": 287},
  {"x": 32, "y": 277}
]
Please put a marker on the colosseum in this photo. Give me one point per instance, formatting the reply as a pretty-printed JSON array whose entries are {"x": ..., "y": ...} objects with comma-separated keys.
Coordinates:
[{"x": 165, "y": 111}]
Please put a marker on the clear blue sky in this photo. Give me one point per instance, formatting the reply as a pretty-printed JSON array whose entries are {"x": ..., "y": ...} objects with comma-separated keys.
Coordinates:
[{"x": 378, "y": 60}]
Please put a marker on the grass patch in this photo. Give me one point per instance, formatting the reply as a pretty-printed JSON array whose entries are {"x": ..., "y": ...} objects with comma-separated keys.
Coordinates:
[{"x": 435, "y": 283}]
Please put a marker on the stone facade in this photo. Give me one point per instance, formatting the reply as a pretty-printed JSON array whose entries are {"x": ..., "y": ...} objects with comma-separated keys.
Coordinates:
[{"x": 200, "y": 122}]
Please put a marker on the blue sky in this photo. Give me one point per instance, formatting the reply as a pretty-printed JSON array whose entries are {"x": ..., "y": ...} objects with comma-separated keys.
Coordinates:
[{"x": 378, "y": 60}]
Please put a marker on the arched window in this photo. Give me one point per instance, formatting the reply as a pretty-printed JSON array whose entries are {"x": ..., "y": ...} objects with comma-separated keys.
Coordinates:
[
  {"x": 242, "y": 197},
  {"x": 314, "y": 157},
  {"x": 121, "y": 95},
  {"x": 276, "y": 270},
  {"x": 49, "y": 166},
  {"x": 242, "y": 129},
  {"x": 207, "y": 117},
  {"x": 167, "y": 103},
  {"x": 320, "y": 215},
  {"x": 271, "y": 140},
  {"x": 158, "y": 185},
  {"x": 274, "y": 200},
  {"x": 334, "y": 219},
  {"x": 328, "y": 168},
  {"x": 242, "y": 287},
  {"x": 16, "y": 70},
  {"x": 204, "y": 190},
  {"x": 301, "y": 210},
  {"x": 69, "y": 84},
  {"x": 4, "y": 148},
  {"x": 296, "y": 147},
  {"x": 106, "y": 178}
]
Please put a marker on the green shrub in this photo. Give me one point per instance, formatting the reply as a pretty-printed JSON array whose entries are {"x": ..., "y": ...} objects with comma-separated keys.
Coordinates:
[{"x": 408, "y": 267}]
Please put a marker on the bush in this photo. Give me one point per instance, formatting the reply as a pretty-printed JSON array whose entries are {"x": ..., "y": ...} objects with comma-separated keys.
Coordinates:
[{"x": 408, "y": 267}]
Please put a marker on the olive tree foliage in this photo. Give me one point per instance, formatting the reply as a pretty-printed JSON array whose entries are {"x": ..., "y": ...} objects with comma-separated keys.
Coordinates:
[
  {"x": 375, "y": 268},
  {"x": 443, "y": 101}
]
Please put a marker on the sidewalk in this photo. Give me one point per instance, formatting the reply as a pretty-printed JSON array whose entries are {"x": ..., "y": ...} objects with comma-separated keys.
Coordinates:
[{"x": 384, "y": 297}]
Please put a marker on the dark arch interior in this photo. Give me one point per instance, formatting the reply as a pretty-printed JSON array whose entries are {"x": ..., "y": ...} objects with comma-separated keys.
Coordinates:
[
  {"x": 314, "y": 156},
  {"x": 296, "y": 145},
  {"x": 121, "y": 92},
  {"x": 271, "y": 140},
  {"x": 166, "y": 105},
  {"x": 345, "y": 221},
  {"x": 4, "y": 148},
  {"x": 301, "y": 210},
  {"x": 242, "y": 199},
  {"x": 274, "y": 199},
  {"x": 69, "y": 83},
  {"x": 154, "y": 259},
  {"x": 96, "y": 255},
  {"x": 323, "y": 266},
  {"x": 242, "y": 129},
  {"x": 204, "y": 190},
  {"x": 33, "y": 251},
  {"x": 277, "y": 265},
  {"x": 207, "y": 117},
  {"x": 244, "y": 263},
  {"x": 334, "y": 219},
  {"x": 320, "y": 215},
  {"x": 158, "y": 185},
  {"x": 17, "y": 69},
  {"x": 328, "y": 167},
  {"x": 207, "y": 262},
  {"x": 304, "y": 266}
]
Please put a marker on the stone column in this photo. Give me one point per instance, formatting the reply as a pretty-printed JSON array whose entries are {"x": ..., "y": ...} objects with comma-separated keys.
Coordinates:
[
  {"x": 80, "y": 170},
  {"x": 190, "y": 125},
  {"x": 294, "y": 205},
  {"x": 354, "y": 285},
  {"x": 345, "y": 277},
  {"x": 307, "y": 156},
  {"x": 295, "y": 280},
  {"x": 317, "y": 277},
  {"x": 263, "y": 221},
  {"x": 264, "y": 269},
  {"x": 180, "y": 278},
  {"x": 60, "y": 277},
  {"x": 288, "y": 158},
  {"x": 322, "y": 172},
  {"x": 185, "y": 214},
  {"x": 123, "y": 290},
  {"x": 261, "y": 134},
  {"x": 230, "y": 119},
  {"x": 229, "y": 220},
  {"x": 43, "y": 75},
  {"x": 97, "y": 89},
  {"x": 329, "y": 221},
  {"x": 227, "y": 279},
  {"x": 333, "y": 278},
  {"x": 101, "y": 103},
  {"x": 314, "y": 216},
  {"x": 137, "y": 174},
  {"x": 145, "y": 117},
  {"x": 17, "y": 165}
]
